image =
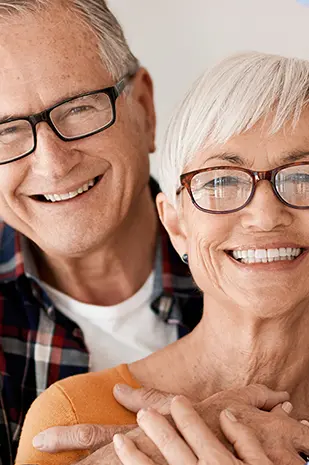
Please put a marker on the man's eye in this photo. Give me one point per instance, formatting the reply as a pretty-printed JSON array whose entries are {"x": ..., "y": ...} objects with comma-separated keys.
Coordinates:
[
  {"x": 12, "y": 132},
  {"x": 80, "y": 110},
  {"x": 8, "y": 131}
]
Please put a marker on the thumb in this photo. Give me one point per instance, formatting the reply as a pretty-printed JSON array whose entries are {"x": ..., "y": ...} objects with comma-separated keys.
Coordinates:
[
  {"x": 243, "y": 439},
  {"x": 261, "y": 397},
  {"x": 77, "y": 437},
  {"x": 137, "y": 399}
]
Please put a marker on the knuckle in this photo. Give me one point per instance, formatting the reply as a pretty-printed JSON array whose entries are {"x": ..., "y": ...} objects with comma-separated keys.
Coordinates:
[
  {"x": 153, "y": 397},
  {"x": 166, "y": 438},
  {"x": 86, "y": 435},
  {"x": 186, "y": 422},
  {"x": 257, "y": 393}
]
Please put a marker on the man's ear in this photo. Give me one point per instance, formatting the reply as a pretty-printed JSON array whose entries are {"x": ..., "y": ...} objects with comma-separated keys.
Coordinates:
[
  {"x": 172, "y": 223},
  {"x": 143, "y": 93}
]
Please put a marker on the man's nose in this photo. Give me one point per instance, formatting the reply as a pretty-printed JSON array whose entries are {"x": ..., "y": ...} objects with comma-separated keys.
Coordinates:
[
  {"x": 53, "y": 157},
  {"x": 265, "y": 212}
]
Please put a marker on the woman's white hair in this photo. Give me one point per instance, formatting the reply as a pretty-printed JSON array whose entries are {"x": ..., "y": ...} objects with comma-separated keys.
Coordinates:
[{"x": 228, "y": 100}]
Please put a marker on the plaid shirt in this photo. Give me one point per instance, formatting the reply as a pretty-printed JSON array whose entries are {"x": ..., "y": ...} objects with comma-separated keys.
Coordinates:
[{"x": 39, "y": 345}]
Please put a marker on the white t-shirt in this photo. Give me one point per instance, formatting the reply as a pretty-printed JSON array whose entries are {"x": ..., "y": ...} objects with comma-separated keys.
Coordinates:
[{"x": 119, "y": 333}]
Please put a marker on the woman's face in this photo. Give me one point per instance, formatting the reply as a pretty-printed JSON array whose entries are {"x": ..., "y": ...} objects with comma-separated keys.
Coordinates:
[{"x": 264, "y": 224}]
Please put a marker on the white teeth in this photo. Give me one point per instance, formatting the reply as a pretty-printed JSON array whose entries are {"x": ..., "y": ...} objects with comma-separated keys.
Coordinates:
[
  {"x": 70, "y": 195},
  {"x": 266, "y": 255},
  {"x": 260, "y": 253}
]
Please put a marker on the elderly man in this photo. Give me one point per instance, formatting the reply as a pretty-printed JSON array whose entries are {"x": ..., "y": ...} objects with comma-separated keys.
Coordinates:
[{"x": 88, "y": 278}]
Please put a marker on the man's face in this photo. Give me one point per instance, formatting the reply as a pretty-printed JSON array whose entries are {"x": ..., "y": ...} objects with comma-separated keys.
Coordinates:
[{"x": 45, "y": 60}]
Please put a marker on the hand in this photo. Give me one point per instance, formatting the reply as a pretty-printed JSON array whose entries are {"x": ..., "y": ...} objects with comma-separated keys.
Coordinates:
[
  {"x": 198, "y": 445},
  {"x": 93, "y": 437},
  {"x": 58, "y": 441},
  {"x": 281, "y": 437}
]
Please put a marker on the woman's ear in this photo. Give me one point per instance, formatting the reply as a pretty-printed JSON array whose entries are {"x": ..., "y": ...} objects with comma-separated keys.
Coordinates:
[{"x": 172, "y": 223}]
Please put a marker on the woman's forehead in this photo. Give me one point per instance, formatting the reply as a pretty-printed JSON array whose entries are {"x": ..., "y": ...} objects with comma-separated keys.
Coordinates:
[{"x": 258, "y": 146}]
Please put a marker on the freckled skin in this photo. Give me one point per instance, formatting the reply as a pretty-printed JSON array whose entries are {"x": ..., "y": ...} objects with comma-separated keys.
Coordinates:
[{"x": 42, "y": 66}]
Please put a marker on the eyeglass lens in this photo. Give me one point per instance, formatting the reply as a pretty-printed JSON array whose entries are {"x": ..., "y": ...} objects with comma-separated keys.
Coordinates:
[
  {"x": 73, "y": 119},
  {"x": 226, "y": 190}
]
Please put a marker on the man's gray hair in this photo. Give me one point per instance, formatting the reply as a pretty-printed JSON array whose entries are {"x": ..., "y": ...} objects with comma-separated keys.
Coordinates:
[
  {"x": 113, "y": 46},
  {"x": 228, "y": 100}
]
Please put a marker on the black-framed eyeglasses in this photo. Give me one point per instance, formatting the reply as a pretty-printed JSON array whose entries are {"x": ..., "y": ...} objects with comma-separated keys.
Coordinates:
[
  {"x": 75, "y": 118},
  {"x": 225, "y": 189}
]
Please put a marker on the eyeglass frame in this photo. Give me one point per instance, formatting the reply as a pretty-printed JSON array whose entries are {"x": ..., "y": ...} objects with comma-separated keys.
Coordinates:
[
  {"x": 256, "y": 176},
  {"x": 113, "y": 92}
]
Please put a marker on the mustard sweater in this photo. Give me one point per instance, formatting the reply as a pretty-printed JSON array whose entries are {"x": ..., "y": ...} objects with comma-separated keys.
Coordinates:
[{"x": 79, "y": 399}]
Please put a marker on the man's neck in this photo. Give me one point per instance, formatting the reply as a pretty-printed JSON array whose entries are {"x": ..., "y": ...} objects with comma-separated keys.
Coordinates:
[{"x": 114, "y": 272}]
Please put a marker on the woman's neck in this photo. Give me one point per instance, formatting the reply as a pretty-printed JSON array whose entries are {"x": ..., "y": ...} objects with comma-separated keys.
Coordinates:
[{"x": 226, "y": 353}]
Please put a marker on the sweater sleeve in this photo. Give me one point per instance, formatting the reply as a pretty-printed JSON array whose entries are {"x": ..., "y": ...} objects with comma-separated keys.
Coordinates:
[{"x": 52, "y": 408}]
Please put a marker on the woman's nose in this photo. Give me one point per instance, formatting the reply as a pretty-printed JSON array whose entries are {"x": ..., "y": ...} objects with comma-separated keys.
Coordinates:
[
  {"x": 265, "y": 212},
  {"x": 53, "y": 157}
]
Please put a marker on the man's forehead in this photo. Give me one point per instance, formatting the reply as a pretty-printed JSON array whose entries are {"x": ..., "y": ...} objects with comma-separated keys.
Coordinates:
[{"x": 49, "y": 60}]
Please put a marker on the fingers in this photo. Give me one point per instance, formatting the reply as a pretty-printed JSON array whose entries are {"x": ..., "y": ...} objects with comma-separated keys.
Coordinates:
[
  {"x": 262, "y": 397},
  {"x": 138, "y": 399},
  {"x": 199, "y": 437},
  {"x": 283, "y": 409},
  {"x": 243, "y": 439},
  {"x": 300, "y": 437},
  {"x": 128, "y": 453},
  {"x": 77, "y": 437},
  {"x": 165, "y": 437}
]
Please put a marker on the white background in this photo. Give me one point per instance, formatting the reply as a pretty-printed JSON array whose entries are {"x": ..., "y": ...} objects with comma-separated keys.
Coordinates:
[{"x": 177, "y": 39}]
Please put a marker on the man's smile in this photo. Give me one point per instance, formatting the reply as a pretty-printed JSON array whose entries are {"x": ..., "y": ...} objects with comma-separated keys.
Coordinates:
[{"x": 70, "y": 194}]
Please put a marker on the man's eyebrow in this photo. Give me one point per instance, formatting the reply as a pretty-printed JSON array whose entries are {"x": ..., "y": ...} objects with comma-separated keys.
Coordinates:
[
  {"x": 6, "y": 117},
  {"x": 229, "y": 157},
  {"x": 295, "y": 155}
]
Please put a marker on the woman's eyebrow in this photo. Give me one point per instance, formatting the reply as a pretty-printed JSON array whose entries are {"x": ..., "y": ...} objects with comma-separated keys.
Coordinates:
[
  {"x": 227, "y": 156},
  {"x": 295, "y": 155}
]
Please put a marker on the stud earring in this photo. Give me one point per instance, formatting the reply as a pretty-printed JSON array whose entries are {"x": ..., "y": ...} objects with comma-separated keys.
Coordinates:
[{"x": 185, "y": 258}]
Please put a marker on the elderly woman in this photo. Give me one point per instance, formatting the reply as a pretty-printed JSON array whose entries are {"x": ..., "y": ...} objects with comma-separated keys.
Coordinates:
[{"x": 235, "y": 181}]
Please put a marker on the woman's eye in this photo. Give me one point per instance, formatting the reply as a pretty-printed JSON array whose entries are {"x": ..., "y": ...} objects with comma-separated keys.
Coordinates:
[
  {"x": 298, "y": 178},
  {"x": 225, "y": 181}
]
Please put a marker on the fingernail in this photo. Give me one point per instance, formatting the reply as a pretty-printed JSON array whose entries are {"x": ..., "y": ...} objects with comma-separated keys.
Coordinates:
[
  {"x": 123, "y": 388},
  {"x": 230, "y": 415},
  {"x": 38, "y": 441},
  {"x": 305, "y": 422},
  {"x": 182, "y": 399},
  {"x": 118, "y": 441},
  {"x": 287, "y": 407},
  {"x": 141, "y": 413}
]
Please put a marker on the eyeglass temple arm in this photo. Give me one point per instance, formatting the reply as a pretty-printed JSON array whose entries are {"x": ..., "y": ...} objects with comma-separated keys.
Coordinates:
[
  {"x": 119, "y": 87},
  {"x": 179, "y": 190}
]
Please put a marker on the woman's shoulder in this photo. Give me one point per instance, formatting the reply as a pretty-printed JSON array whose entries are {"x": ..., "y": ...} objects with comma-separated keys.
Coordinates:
[
  {"x": 96, "y": 389},
  {"x": 86, "y": 398}
]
